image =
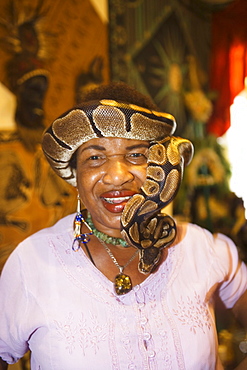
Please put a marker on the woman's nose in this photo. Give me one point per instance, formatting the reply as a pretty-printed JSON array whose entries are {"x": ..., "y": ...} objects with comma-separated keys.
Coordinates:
[{"x": 117, "y": 173}]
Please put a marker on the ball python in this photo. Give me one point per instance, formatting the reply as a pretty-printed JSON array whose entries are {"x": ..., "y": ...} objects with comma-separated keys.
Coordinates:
[{"x": 143, "y": 225}]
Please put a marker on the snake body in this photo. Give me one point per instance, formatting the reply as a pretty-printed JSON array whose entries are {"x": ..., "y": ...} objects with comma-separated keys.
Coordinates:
[{"x": 143, "y": 225}]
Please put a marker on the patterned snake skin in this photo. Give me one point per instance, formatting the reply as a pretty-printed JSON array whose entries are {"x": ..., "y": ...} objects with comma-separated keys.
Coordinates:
[{"x": 143, "y": 225}]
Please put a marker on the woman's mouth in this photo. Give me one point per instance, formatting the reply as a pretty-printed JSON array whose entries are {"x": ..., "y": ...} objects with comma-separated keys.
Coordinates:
[{"x": 115, "y": 201}]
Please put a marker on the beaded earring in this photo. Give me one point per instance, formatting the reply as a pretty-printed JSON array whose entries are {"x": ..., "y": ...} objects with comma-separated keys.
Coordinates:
[{"x": 78, "y": 223}]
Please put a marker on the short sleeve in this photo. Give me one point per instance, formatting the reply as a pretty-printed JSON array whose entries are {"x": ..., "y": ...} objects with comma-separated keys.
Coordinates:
[
  {"x": 13, "y": 305},
  {"x": 235, "y": 283}
]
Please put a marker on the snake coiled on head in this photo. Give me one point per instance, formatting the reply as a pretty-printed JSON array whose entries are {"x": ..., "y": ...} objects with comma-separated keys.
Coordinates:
[{"x": 143, "y": 225}]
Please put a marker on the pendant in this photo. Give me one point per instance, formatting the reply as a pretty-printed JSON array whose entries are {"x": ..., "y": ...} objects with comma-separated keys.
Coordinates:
[{"x": 123, "y": 284}]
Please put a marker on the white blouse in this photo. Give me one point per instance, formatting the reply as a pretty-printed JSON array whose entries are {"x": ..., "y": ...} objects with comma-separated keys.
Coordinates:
[{"x": 56, "y": 303}]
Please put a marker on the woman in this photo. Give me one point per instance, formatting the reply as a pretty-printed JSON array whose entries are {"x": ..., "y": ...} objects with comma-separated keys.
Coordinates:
[{"x": 83, "y": 299}]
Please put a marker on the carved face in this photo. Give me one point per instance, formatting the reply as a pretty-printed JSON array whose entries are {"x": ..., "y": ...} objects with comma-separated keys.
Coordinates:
[
  {"x": 109, "y": 172},
  {"x": 30, "y": 99}
]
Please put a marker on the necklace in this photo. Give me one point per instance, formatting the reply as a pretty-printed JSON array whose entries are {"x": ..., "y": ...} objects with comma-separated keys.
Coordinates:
[
  {"x": 123, "y": 283},
  {"x": 104, "y": 237}
]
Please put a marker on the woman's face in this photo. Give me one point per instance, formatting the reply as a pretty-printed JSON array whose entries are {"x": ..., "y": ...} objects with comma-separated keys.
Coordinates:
[{"x": 109, "y": 172}]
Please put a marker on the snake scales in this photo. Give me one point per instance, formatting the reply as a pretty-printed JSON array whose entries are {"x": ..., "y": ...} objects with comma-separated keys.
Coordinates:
[{"x": 143, "y": 225}]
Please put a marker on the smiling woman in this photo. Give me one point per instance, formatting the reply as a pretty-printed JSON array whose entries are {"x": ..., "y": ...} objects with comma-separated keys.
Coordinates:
[
  {"x": 120, "y": 284},
  {"x": 108, "y": 174}
]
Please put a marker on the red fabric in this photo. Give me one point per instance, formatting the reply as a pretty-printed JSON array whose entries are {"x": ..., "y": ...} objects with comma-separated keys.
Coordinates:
[{"x": 228, "y": 62}]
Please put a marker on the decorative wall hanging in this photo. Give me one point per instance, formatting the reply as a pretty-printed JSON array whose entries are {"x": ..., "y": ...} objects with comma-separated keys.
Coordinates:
[
  {"x": 150, "y": 47},
  {"x": 45, "y": 46}
]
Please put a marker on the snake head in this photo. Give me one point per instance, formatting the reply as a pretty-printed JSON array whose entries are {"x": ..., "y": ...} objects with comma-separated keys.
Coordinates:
[{"x": 148, "y": 259}]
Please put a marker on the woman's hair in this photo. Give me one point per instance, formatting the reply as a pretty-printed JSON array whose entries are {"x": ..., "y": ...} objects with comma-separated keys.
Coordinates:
[{"x": 119, "y": 91}]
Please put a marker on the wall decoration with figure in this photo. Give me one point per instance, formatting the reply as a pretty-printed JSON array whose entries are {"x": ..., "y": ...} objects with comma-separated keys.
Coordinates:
[
  {"x": 47, "y": 62},
  {"x": 151, "y": 45}
]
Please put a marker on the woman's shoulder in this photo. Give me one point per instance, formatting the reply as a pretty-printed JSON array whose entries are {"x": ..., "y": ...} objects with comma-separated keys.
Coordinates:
[
  {"x": 187, "y": 230},
  {"x": 62, "y": 226},
  {"x": 37, "y": 245},
  {"x": 203, "y": 244},
  {"x": 40, "y": 240}
]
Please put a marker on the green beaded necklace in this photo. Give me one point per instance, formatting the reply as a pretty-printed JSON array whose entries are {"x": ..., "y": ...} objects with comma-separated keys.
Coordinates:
[{"x": 104, "y": 237}]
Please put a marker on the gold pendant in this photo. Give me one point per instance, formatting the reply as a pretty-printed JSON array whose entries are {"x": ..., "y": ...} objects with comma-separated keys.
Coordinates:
[{"x": 123, "y": 284}]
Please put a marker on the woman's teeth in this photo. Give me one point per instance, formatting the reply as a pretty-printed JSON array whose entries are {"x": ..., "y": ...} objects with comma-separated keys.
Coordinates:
[{"x": 116, "y": 200}]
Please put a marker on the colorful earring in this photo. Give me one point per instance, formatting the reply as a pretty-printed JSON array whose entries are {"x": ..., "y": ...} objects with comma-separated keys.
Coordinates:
[{"x": 78, "y": 223}]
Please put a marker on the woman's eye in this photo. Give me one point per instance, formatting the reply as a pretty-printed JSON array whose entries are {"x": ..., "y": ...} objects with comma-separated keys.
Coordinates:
[
  {"x": 137, "y": 157},
  {"x": 94, "y": 157},
  {"x": 95, "y": 160}
]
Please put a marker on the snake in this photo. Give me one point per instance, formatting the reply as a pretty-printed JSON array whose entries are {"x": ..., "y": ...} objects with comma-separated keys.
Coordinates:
[{"x": 143, "y": 224}]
